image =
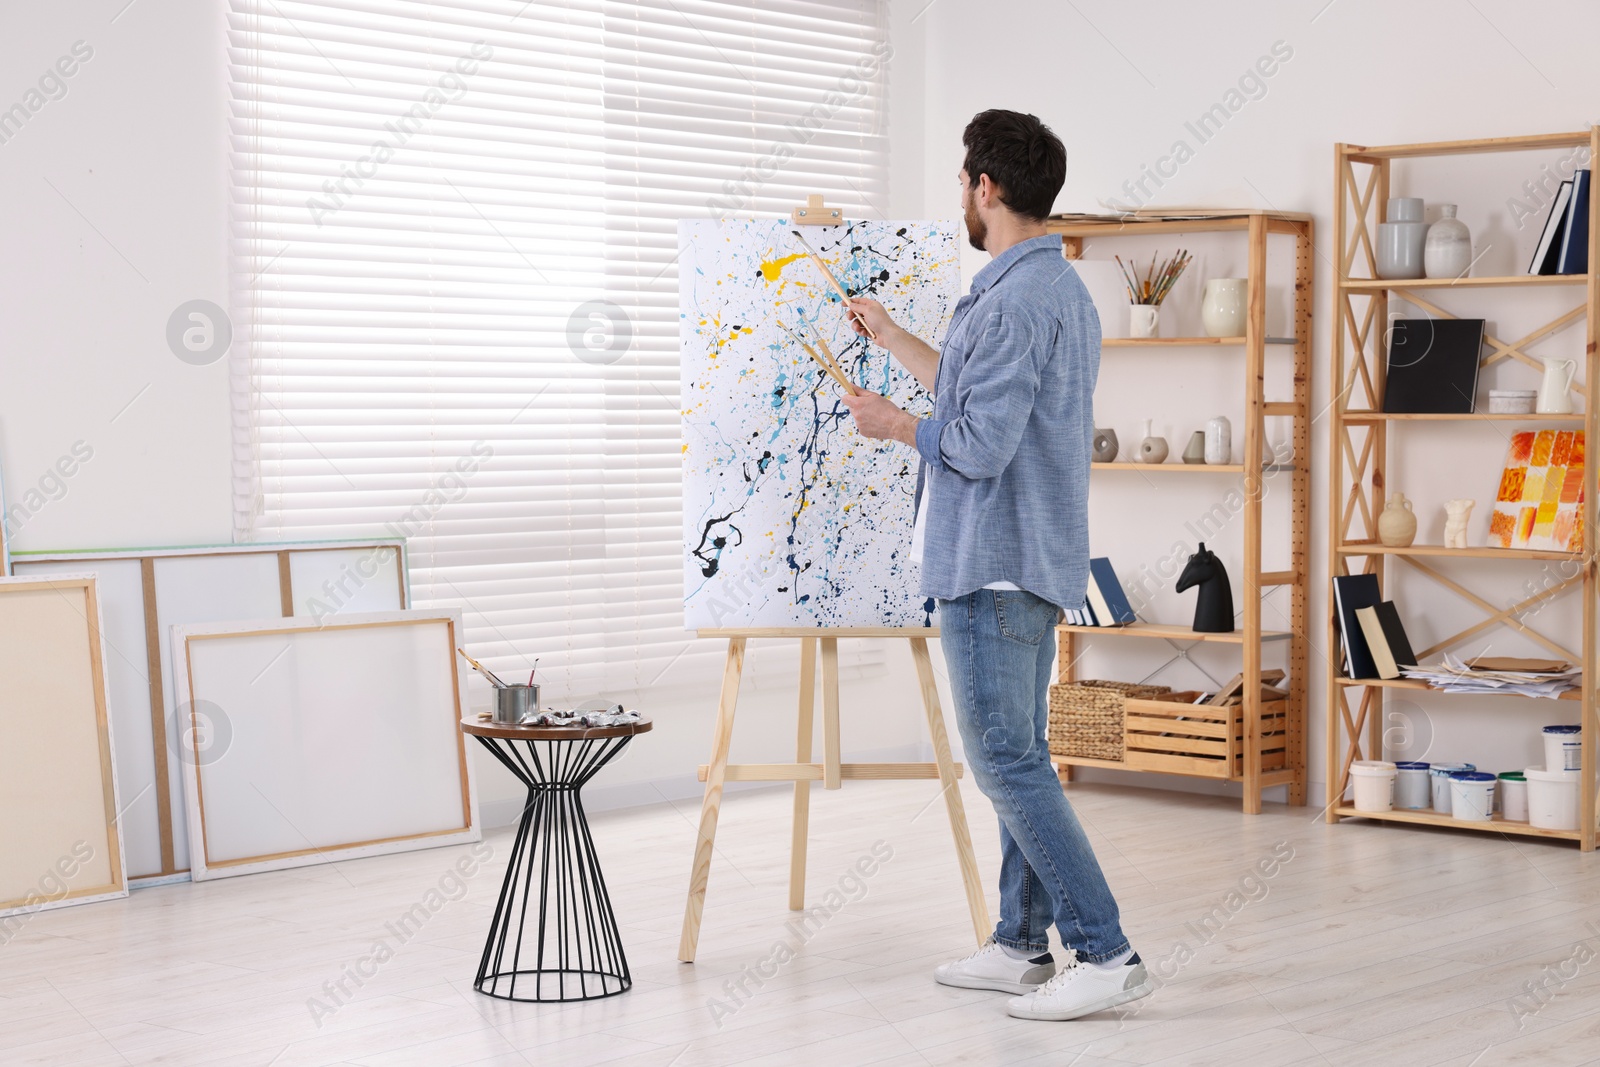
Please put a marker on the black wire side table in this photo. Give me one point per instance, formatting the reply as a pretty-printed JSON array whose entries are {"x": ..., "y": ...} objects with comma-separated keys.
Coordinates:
[{"x": 572, "y": 951}]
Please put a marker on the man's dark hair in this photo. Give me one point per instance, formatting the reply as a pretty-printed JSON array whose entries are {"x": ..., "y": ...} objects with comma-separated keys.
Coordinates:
[{"x": 1020, "y": 155}]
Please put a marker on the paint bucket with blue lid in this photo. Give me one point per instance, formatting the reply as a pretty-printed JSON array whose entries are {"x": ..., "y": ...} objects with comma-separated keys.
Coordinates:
[
  {"x": 1563, "y": 747},
  {"x": 1440, "y": 774},
  {"x": 1412, "y": 792},
  {"x": 1472, "y": 796}
]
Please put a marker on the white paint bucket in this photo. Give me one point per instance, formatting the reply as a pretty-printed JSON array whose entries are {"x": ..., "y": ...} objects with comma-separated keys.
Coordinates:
[
  {"x": 1552, "y": 799},
  {"x": 1412, "y": 791},
  {"x": 1563, "y": 747},
  {"x": 1373, "y": 781},
  {"x": 1514, "y": 796},
  {"x": 1440, "y": 774},
  {"x": 1472, "y": 796}
]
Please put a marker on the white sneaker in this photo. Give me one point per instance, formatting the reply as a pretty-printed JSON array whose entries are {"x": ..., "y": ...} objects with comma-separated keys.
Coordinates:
[
  {"x": 1081, "y": 988},
  {"x": 991, "y": 968}
]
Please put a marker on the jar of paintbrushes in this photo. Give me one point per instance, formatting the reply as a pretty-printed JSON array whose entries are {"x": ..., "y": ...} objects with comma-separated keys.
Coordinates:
[{"x": 1146, "y": 291}]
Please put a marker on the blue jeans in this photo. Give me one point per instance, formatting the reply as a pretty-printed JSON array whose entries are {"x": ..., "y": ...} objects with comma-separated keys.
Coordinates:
[{"x": 999, "y": 646}]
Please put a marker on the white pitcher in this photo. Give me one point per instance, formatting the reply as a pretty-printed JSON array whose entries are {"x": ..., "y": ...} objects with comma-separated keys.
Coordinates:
[
  {"x": 1223, "y": 304},
  {"x": 1554, "y": 398}
]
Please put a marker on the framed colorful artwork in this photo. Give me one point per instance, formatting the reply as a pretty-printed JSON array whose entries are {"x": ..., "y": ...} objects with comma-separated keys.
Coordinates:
[{"x": 1540, "y": 502}]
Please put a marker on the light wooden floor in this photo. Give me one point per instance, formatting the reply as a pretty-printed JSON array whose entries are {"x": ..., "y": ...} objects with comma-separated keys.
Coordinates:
[{"x": 1371, "y": 945}]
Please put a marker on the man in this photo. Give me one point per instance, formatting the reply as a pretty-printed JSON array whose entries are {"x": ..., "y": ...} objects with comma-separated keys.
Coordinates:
[{"x": 1002, "y": 534}]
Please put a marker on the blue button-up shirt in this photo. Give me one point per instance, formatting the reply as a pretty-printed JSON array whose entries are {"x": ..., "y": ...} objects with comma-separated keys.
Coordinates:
[{"x": 1009, "y": 442}]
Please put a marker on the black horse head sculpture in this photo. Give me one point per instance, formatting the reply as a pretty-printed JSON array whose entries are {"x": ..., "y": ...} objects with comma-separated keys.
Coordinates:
[{"x": 1213, "y": 610}]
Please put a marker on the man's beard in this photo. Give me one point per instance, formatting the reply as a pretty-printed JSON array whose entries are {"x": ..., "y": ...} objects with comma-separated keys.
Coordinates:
[{"x": 977, "y": 232}]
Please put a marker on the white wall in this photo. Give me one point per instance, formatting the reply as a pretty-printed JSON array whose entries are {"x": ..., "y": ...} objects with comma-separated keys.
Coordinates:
[
  {"x": 116, "y": 201},
  {"x": 1118, "y": 83},
  {"x": 116, "y": 212}
]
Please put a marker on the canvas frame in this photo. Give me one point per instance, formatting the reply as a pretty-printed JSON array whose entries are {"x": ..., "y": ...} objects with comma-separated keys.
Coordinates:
[
  {"x": 116, "y": 885},
  {"x": 184, "y": 640}
]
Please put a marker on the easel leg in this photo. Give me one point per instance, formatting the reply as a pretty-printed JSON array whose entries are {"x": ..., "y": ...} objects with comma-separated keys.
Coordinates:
[
  {"x": 802, "y": 790},
  {"x": 711, "y": 806},
  {"x": 976, "y": 905},
  {"x": 831, "y": 777}
]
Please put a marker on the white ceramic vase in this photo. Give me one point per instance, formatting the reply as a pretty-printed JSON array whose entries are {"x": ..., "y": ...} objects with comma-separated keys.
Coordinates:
[
  {"x": 1447, "y": 253},
  {"x": 1222, "y": 307},
  {"x": 1219, "y": 440}
]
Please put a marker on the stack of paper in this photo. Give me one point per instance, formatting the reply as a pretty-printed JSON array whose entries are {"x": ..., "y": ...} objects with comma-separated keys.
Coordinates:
[{"x": 1499, "y": 674}]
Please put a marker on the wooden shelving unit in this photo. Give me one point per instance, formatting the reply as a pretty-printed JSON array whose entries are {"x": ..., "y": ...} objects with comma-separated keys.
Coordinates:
[
  {"x": 1272, "y": 735},
  {"x": 1362, "y": 443}
]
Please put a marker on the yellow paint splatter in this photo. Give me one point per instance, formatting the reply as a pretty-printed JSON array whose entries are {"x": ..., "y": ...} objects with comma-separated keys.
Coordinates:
[{"x": 771, "y": 268}]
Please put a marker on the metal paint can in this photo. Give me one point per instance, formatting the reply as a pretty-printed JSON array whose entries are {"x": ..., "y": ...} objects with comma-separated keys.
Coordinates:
[{"x": 512, "y": 702}]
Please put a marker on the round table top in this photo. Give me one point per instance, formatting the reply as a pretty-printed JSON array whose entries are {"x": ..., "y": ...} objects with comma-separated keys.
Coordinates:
[{"x": 490, "y": 728}]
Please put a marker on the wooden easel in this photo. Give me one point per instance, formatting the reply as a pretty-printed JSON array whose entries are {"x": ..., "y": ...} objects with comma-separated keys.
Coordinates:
[{"x": 830, "y": 772}]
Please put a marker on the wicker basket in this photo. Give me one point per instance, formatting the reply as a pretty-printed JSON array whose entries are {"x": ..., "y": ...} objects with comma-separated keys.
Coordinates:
[{"x": 1086, "y": 717}]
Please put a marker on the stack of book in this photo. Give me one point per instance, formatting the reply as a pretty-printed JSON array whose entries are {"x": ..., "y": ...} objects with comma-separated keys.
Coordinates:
[
  {"x": 1105, "y": 604},
  {"x": 1564, "y": 245},
  {"x": 1373, "y": 642}
]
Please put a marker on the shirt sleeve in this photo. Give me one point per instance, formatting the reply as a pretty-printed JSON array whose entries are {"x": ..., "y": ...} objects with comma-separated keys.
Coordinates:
[{"x": 995, "y": 395}]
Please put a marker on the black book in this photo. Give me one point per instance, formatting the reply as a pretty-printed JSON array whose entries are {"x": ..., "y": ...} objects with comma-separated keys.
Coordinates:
[
  {"x": 1544, "y": 256},
  {"x": 1574, "y": 257},
  {"x": 1395, "y": 634},
  {"x": 1352, "y": 591},
  {"x": 1433, "y": 366}
]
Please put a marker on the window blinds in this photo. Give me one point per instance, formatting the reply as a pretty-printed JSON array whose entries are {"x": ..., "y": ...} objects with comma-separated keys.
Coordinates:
[{"x": 455, "y": 291}]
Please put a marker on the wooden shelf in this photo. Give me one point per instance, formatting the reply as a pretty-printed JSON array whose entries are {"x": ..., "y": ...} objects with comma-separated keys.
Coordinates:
[
  {"x": 1463, "y": 283},
  {"x": 1192, "y": 468},
  {"x": 1363, "y": 456},
  {"x": 1496, "y": 825},
  {"x": 1260, "y": 762},
  {"x": 1177, "y": 221},
  {"x": 1478, "y": 416},
  {"x": 1362, "y": 548},
  {"x": 1268, "y": 778},
  {"x": 1174, "y": 633},
  {"x": 1182, "y": 342},
  {"x": 1527, "y": 143},
  {"x": 1415, "y": 683}
]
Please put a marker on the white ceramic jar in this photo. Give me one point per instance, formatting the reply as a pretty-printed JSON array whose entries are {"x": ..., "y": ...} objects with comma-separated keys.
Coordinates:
[
  {"x": 1447, "y": 251},
  {"x": 1219, "y": 440},
  {"x": 1222, "y": 307}
]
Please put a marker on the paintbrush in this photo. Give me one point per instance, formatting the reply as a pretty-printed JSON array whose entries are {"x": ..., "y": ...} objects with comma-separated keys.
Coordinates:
[
  {"x": 833, "y": 361},
  {"x": 833, "y": 370},
  {"x": 837, "y": 288},
  {"x": 493, "y": 678}
]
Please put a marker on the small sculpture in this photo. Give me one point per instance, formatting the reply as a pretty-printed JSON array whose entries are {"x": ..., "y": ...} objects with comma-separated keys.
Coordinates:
[
  {"x": 1152, "y": 449},
  {"x": 1213, "y": 608},
  {"x": 1456, "y": 514},
  {"x": 1196, "y": 452},
  {"x": 1105, "y": 446}
]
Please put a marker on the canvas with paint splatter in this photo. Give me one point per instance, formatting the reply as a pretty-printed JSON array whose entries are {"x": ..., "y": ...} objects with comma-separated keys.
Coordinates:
[
  {"x": 1540, "y": 501},
  {"x": 792, "y": 518}
]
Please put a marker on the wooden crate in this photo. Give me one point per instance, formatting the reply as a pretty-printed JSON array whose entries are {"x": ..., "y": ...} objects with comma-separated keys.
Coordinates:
[{"x": 1199, "y": 739}]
